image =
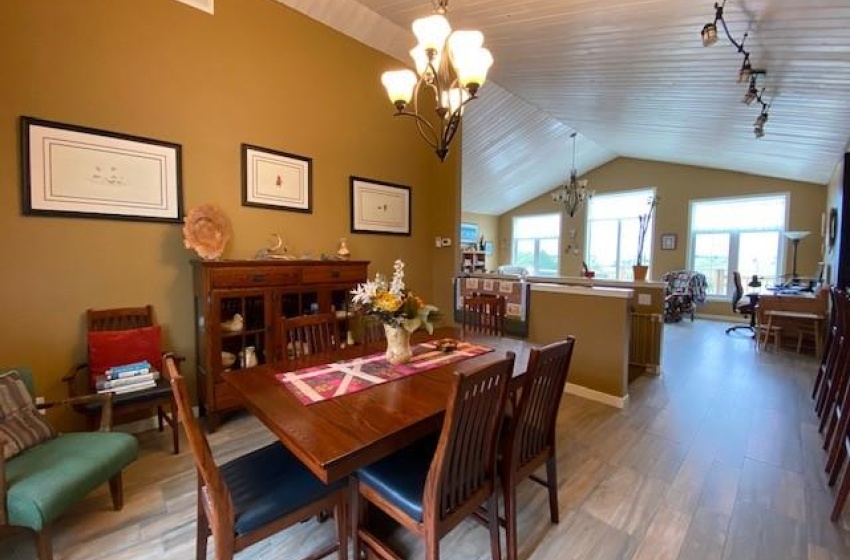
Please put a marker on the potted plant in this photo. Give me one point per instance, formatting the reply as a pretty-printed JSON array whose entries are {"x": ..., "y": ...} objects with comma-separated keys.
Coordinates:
[{"x": 639, "y": 269}]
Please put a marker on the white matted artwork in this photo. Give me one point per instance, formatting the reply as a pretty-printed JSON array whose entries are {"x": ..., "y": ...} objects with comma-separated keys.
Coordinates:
[
  {"x": 207, "y": 6},
  {"x": 75, "y": 171},
  {"x": 379, "y": 207},
  {"x": 272, "y": 179}
]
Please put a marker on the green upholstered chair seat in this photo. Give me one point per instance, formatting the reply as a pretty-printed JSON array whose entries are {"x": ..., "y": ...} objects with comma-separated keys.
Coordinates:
[{"x": 47, "y": 479}]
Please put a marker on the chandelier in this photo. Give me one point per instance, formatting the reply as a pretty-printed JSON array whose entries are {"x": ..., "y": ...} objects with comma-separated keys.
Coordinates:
[
  {"x": 573, "y": 194},
  {"x": 452, "y": 66},
  {"x": 746, "y": 74}
]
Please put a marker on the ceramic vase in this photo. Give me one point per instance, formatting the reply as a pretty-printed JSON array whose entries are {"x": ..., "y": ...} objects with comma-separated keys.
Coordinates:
[
  {"x": 248, "y": 357},
  {"x": 398, "y": 345},
  {"x": 639, "y": 271}
]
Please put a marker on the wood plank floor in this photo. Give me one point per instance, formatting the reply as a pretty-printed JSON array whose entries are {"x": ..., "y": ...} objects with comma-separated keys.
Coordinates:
[{"x": 717, "y": 459}]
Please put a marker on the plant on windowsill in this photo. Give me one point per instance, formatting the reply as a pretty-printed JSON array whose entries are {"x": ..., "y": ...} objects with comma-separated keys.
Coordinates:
[{"x": 639, "y": 269}]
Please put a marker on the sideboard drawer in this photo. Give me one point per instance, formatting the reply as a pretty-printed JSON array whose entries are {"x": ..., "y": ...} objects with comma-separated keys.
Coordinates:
[
  {"x": 322, "y": 274},
  {"x": 254, "y": 276}
]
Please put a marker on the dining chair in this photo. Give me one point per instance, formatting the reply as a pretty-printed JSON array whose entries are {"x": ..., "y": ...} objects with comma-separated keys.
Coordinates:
[
  {"x": 372, "y": 331},
  {"x": 118, "y": 336},
  {"x": 484, "y": 314},
  {"x": 530, "y": 439},
  {"x": 256, "y": 495},
  {"x": 308, "y": 335},
  {"x": 830, "y": 351},
  {"x": 432, "y": 485}
]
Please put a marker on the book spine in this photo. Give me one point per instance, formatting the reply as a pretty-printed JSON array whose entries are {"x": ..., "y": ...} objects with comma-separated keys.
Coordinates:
[
  {"x": 104, "y": 383},
  {"x": 129, "y": 388},
  {"x": 135, "y": 366},
  {"x": 112, "y": 375}
]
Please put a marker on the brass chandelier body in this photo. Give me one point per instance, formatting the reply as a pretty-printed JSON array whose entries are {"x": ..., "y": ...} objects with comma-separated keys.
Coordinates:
[
  {"x": 450, "y": 69},
  {"x": 575, "y": 193}
]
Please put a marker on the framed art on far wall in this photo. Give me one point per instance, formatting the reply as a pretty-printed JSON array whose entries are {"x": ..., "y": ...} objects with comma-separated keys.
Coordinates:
[
  {"x": 75, "y": 171},
  {"x": 468, "y": 233},
  {"x": 668, "y": 241},
  {"x": 379, "y": 207},
  {"x": 273, "y": 179}
]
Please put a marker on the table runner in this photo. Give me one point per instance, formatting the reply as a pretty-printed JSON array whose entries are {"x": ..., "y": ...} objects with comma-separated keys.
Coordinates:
[{"x": 318, "y": 383}]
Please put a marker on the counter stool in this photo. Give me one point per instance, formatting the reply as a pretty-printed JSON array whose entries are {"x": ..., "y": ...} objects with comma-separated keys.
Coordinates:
[{"x": 763, "y": 335}]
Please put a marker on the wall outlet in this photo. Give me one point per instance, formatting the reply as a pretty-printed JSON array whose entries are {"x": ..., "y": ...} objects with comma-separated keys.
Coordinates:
[
  {"x": 438, "y": 242},
  {"x": 447, "y": 242}
]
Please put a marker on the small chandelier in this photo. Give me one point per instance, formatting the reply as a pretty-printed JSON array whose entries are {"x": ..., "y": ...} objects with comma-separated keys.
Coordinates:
[
  {"x": 573, "y": 194},
  {"x": 452, "y": 65}
]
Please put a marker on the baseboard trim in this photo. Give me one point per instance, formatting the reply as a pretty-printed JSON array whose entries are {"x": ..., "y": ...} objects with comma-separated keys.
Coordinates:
[{"x": 597, "y": 396}]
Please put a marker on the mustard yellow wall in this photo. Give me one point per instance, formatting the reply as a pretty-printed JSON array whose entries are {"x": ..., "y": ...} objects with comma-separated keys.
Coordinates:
[
  {"x": 488, "y": 226},
  {"x": 677, "y": 185},
  {"x": 255, "y": 72}
]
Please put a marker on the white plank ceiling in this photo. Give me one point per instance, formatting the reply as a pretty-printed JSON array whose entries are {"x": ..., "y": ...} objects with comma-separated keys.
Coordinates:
[{"x": 633, "y": 79}]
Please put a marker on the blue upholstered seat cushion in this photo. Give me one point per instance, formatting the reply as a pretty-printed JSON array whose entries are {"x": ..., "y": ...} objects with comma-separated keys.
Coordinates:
[
  {"x": 400, "y": 477},
  {"x": 45, "y": 480},
  {"x": 269, "y": 483}
]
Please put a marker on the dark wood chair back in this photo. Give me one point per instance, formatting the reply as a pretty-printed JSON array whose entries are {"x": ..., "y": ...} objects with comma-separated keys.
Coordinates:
[
  {"x": 484, "y": 314},
  {"x": 372, "y": 331},
  {"x": 308, "y": 335},
  {"x": 120, "y": 319},
  {"x": 220, "y": 510},
  {"x": 463, "y": 472},
  {"x": 530, "y": 441}
]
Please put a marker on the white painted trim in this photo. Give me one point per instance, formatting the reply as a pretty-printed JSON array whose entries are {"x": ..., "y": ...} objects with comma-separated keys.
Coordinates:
[
  {"x": 597, "y": 396},
  {"x": 207, "y": 6},
  {"x": 619, "y": 293}
]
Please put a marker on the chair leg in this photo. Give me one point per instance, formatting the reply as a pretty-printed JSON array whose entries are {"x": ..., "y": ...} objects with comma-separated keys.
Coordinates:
[
  {"x": 432, "y": 546},
  {"x": 841, "y": 498},
  {"x": 509, "y": 495},
  {"x": 116, "y": 490},
  {"x": 342, "y": 524},
  {"x": 159, "y": 415},
  {"x": 175, "y": 427},
  {"x": 356, "y": 516},
  {"x": 43, "y": 544},
  {"x": 552, "y": 485},
  {"x": 493, "y": 524}
]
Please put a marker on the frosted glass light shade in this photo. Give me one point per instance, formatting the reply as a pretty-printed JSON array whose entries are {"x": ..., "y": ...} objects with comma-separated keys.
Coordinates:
[
  {"x": 432, "y": 31},
  {"x": 399, "y": 85},
  {"x": 453, "y": 99},
  {"x": 795, "y": 235},
  {"x": 420, "y": 59},
  {"x": 472, "y": 68}
]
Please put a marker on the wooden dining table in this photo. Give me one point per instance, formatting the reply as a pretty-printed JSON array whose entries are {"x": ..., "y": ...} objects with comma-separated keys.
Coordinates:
[{"x": 337, "y": 436}]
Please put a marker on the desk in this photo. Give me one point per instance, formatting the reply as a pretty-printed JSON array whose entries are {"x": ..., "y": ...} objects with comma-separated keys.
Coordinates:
[
  {"x": 333, "y": 438},
  {"x": 795, "y": 313}
]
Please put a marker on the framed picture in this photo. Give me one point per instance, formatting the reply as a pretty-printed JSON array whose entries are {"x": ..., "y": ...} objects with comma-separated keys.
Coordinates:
[
  {"x": 379, "y": 207},
  {"x": 74, "y": 171},
  {"x": 468, "y": 233},
  {"x": 272, "y": 179},
  {"x": 488, "y": 247},
  {"x": 668, "y": 241}
]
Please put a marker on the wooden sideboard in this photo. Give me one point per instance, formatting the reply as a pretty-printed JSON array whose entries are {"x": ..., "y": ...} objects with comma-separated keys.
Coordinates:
[{"x": 261, "y": 292}]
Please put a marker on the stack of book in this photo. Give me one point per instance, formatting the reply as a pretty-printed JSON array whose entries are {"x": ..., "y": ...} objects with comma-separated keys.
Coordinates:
[{"x": 128, "y": 378}]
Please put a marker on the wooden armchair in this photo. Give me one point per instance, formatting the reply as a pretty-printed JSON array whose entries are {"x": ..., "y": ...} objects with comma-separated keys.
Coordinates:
[
  {"x": 308, "y": 335},
  {"x": 484, "y": 314},
  {"x": 41, "y": 482},
  {"x": 160, "y": 397}
]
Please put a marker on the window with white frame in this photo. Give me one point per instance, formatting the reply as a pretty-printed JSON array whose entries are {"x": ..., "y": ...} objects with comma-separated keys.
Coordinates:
[
  {"x": 743, "y": 234},
  {"x": 612, "y": 233},
  {"x": 535, "y": 243}
]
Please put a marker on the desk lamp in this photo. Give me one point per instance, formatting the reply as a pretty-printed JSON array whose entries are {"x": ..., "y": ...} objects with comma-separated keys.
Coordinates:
[
  {"x": 795, "y": 237},
  {"x": 754, "y": 282}
]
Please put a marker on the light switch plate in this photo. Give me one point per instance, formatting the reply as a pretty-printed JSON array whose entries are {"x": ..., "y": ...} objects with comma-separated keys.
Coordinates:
[{"x": 644, "y": 299}]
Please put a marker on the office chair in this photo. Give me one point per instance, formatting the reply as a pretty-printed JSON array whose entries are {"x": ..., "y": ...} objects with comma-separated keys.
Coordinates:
[{"x": 746, "y": 309}]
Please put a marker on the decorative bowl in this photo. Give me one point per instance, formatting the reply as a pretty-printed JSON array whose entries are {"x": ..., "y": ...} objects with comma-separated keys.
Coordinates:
[
  {"x": 446, "y": 344},
  {"x": 228, "y": 359}
]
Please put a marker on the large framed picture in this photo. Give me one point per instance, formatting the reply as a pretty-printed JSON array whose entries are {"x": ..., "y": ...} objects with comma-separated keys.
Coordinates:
[
  {"x": 272, "y": 179},
  {"x": 379, "y": 207},
  {"x": 468, "y": 233},
  {"x": 74, "y": 171}
]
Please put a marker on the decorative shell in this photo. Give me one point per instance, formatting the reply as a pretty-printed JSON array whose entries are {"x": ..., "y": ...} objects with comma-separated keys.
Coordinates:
[{"x": 206, "y": 230}]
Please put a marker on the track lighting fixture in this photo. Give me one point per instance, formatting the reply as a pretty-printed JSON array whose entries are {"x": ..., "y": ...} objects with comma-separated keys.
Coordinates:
[{"x": 746, "y": 74}]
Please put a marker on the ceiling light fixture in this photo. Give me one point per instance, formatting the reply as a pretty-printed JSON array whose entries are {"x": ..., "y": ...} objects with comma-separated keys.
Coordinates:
[
  {"x": 746, "y": 74},
  {"x": 451, "y": 65},
  {"x": 575, "y": 193}
]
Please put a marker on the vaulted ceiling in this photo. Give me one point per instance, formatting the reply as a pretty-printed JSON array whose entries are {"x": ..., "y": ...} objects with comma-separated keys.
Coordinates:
[{"x": 633, "y": 79}]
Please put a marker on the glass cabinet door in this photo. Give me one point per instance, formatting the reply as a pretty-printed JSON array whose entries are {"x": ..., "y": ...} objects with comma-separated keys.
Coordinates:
[{"x": 243, "y": 335}]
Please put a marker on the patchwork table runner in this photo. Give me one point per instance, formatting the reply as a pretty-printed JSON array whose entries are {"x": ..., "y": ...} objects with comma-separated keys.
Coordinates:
[{"x": 318, "y": 383}]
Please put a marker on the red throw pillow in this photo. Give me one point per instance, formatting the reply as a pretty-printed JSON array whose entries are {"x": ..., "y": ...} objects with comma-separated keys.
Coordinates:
[{"x": 116, "y": 348}]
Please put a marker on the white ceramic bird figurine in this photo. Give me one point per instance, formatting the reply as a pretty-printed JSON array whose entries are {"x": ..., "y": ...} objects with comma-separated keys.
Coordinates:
[{"x": 237, "y": 323}]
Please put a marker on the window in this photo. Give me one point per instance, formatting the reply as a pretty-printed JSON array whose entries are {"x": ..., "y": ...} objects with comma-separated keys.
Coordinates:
[
  {"x": 612, "y": 233},
  {"x": 742, "y": 234},
  {"x": 535, "y": 243}
]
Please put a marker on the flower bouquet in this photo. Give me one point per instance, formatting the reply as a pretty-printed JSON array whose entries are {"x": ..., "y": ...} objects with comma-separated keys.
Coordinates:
[{"x": 400, "y": 310}]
